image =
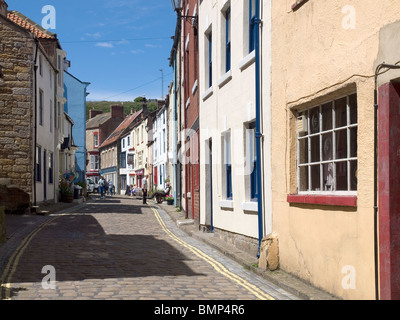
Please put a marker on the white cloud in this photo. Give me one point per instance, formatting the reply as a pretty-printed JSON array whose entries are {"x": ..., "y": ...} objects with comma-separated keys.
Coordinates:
[
  {"x": 104, "y": 45},
  {"x": 148, "y": 45},
  {"x": 137, "y": 51},
  {"x": 96, "y": 35}
]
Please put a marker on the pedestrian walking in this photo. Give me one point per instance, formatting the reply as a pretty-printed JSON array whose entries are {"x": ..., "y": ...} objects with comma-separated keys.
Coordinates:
[
  {"x": 101, "y": 188},
  {"x": 110, "y": 187},
  {"x": 144, "y": 188}
]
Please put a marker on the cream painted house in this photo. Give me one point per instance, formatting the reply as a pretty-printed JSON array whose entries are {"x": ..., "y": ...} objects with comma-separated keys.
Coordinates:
[
  {"x": 229, "y": 201},
  {"x": 324, "y": 58}
]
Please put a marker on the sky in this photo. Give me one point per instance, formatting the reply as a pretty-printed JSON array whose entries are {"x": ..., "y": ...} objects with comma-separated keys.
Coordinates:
[{"x": 120, "y": 46}]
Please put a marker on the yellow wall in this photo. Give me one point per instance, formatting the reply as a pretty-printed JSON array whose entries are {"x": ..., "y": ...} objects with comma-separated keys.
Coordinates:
[{"x": 317, "y": 55}]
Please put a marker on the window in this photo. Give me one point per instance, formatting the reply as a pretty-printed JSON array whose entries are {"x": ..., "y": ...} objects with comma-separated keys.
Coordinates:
[
  {"x": 227, "y": 39},
  {"x": 38, "y": 164},
  {"x": 164, "y": 141},
  {"x": 58, "y": 115},
  {"x": 251, "y": 159},
  {"x": 123, "y": 160},
  {"x": 252, "y": 24},
  {"x": 209, "y": 58},
  {"x": 227, "y": 164},
  {"x": 94, "y": 162},
  {"x": 327, "y": 147},
  {"x": 130, "y": 159},
  {"x": 51, "y": 116},
  {"x": 41, "y": 102},
  {"x": 129, "y": 141},
  {"x": 96, "y": 140},
  {"x": 161, "y": 174},
  {"x": 51, "y": 161},
  {"x": 59, "y": 70},
  {"x": 123, "y": 143}
]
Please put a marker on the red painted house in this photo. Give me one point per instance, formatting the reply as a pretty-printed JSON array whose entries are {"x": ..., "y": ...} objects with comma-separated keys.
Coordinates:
[{"x": 190, "y": 89}]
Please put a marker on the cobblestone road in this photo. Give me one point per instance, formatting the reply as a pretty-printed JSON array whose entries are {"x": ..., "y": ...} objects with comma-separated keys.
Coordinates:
[{"x": 118, "y": 248}]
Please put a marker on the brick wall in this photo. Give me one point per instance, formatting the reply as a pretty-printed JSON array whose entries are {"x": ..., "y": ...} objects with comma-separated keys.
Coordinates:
[{"x": 16, "y": 105}]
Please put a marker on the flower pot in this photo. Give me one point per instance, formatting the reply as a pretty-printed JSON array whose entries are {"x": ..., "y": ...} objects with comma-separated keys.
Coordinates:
[
  {"x": 170, "y": 201},
  {"x": 68, "y": 198}
]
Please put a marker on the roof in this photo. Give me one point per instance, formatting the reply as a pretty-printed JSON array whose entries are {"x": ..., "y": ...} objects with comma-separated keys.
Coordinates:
[
  {"x": 24, "y": 22},
  {"x": 119, "y": 131},
  {"x": 97, "y": 120}
]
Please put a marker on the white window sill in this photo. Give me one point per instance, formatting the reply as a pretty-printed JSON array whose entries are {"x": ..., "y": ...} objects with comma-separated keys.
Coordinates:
[
  {"x": 250, "y": 206},
  {"x": 208, "y": 93},
  {"x": 226, "y": 204},
  {"x": 225, "y": 79},
  {"x": 247, "y": 61}
]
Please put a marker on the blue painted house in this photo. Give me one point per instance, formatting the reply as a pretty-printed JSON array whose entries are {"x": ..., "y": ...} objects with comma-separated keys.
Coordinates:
[{"x": 75, "y": 92}]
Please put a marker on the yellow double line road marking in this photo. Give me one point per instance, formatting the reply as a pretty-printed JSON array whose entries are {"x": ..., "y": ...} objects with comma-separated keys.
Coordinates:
[
  {"x": 215, "y": 264},
  {"x": 12, "y": 264}
]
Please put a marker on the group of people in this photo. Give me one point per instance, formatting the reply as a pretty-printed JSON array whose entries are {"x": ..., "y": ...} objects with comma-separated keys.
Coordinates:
[
  {"x": 105, "y": 187},
  {"x": 132, "y": 190}
]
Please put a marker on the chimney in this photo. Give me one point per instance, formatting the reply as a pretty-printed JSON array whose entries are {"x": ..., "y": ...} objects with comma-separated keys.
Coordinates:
[
  {"x": 117, "y": 111},
  {"x": 3, "y": 8},
  {"x": 92, "y": 112}
]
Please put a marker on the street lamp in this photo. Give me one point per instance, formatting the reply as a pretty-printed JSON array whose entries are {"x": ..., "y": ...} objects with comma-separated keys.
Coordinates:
[{"x": 178, "y": 6}]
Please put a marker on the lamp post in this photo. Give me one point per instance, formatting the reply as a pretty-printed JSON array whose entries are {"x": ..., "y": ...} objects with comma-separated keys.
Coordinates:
[{"x": 178, "y": 6}]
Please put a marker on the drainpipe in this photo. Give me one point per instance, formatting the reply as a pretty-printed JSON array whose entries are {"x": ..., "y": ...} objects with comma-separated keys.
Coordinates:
[
  {"x": 175, "y": 130},
  {"x": 376, "y": 248},
  {"x": 34, "y": 122},
  {"x": 259, "y": 135}
]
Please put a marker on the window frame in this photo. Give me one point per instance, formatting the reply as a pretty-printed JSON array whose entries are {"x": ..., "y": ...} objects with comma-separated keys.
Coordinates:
[
  {"x": 227, "y": 15},
  {"x": 38, "y": 177},
  {"x": 51, "y": 168},
  {"x": 95, "y": 140},
  {"x": 227, "y": 164},
  {"x": 41, "y": 105},
  {"x": 209, "y": 38},
  {"x": 253, "y": 161},
  {"x": 349, "y": 159},
  {"x": 252, "y": 24},
  {"x": 122, "y": 162}
]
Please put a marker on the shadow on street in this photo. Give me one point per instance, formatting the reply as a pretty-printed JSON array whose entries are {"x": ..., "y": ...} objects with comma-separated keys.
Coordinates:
[{"x": 78, "y": 248}]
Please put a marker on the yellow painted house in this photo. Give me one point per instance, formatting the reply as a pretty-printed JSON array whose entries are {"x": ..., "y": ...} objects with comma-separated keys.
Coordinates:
[{"x": 335, "y": 214}]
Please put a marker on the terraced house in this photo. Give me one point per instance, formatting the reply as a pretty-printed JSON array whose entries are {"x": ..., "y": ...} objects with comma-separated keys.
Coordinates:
[
  {"x": 231, "y": 92},
  {"x": 333, "y": 70},
  {"x": 111, "y": 158},
  {"x": 32, "y": 63}
]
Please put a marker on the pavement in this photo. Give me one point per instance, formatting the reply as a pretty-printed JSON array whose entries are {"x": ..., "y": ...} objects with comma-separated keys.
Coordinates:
[{"x": 19, "y": 227}]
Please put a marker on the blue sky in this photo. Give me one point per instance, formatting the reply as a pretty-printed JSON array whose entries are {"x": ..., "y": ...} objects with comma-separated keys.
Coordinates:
[{"x": 119, "y": 46}]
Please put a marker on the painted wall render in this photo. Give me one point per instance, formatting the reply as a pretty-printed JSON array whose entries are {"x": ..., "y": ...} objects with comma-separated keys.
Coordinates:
[{"x": 322, "y": 51}]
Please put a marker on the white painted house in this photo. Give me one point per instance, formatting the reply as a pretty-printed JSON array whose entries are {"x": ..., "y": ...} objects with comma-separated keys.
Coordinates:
[
  {"x": 160, "y": 146},
  {"x": 227, "y": 121},
  {"x": 46, "y": 179},
  {"x": 126, "y": 162}
]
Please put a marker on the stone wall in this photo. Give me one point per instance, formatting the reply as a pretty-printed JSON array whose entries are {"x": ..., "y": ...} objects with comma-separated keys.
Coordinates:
[{"x": 17, "y": 49}]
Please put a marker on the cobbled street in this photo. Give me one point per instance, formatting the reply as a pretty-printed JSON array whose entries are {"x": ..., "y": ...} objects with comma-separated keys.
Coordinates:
[{"x": 119, "y": 248}]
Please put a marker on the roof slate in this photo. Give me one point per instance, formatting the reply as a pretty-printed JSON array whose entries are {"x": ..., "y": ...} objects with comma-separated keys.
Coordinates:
[{"x": 121, "y": 128}]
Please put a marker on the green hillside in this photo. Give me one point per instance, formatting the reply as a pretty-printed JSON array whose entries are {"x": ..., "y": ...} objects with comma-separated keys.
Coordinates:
[{"x": 128, "y": 105}]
